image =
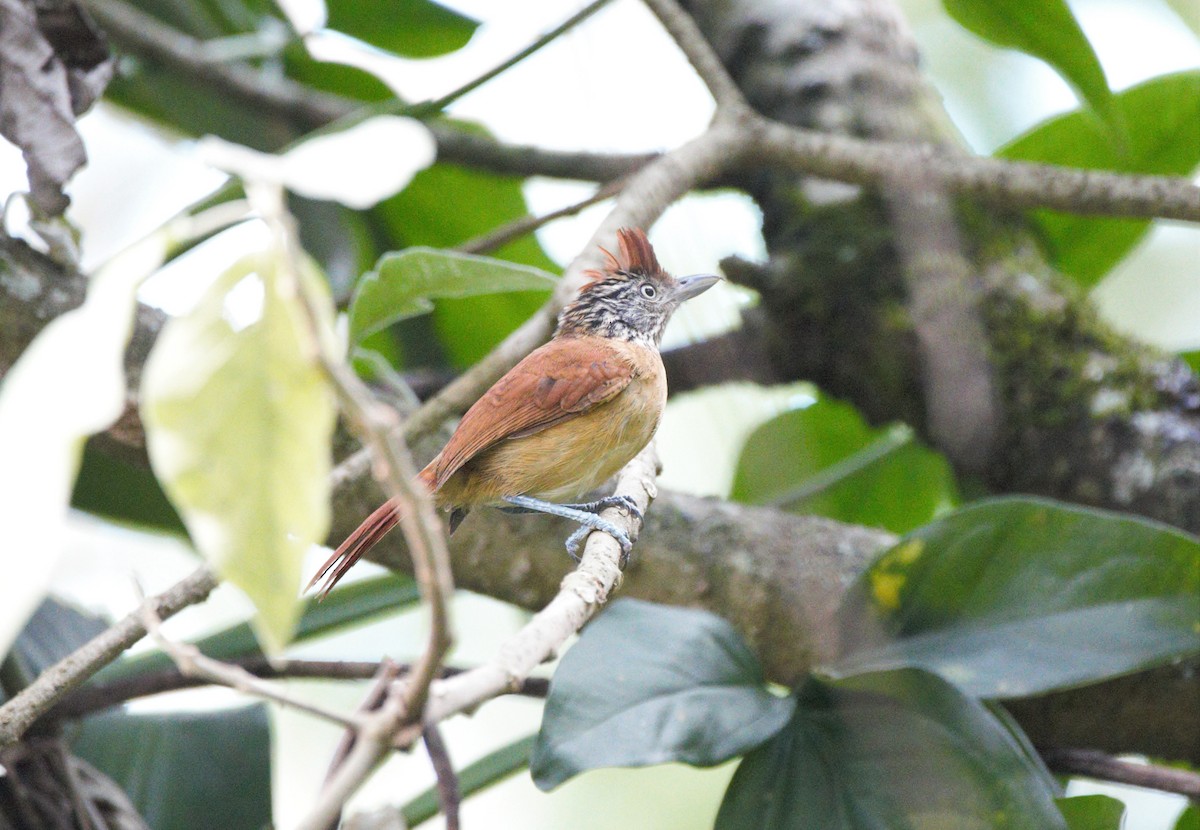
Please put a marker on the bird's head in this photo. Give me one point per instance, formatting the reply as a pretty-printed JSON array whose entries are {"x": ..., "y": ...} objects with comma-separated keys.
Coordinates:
[{"x": 631, "y": 297}]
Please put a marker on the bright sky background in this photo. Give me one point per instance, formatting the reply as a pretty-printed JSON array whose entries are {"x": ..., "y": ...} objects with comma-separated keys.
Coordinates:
[{"x": 616, "y": 83}]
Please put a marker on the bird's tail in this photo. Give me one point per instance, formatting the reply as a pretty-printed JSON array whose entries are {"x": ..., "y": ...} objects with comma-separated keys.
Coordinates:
[{"x": 364, "y": 537}]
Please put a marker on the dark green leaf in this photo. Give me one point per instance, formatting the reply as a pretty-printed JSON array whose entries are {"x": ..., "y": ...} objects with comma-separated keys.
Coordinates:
[
  {"x": 186, "y": 770},
  {"x": 54, "y": 631},
  {"x": 1092, "y": 812},
  {"x": 351, "y": 604},
  {"x": 1015, "y": 597},
  {"x": 1189, "y": 819},
  {"x": 1157, "y": 112},
  {"x": 1047, "y": 30},
  {"x": 110, "y": 487},
  {"x": 403, "y": 284},
  {"x": 488, "y": 770},
  {"x": 899, "y": 750},
  {"x": 647, "y": 684},
  {"x": 825, "y": 459},
  {"x": 414, "y": 28}
]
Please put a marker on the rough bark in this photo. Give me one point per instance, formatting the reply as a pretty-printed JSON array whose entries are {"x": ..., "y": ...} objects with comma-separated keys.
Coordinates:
[{"x": 1079, "y": 412}]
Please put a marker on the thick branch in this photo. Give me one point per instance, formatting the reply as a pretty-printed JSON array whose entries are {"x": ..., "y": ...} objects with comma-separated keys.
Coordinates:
[{"x": 1080, "y": 412}]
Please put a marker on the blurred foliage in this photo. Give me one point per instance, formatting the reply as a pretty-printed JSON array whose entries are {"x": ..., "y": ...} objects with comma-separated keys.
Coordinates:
[
  {"x": 1093, "y": 812},
  {"x": 1047, "y": 30},
  {"x": 824, "y": 459},
  {"x": 1158, "y": 113}
]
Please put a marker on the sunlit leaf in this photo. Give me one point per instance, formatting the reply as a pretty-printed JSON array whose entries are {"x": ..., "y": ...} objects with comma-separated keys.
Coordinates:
[
  {"x": 1092, "y": 812},
  {"x": 239, "y": 421},
  {"x": 403, "y": 284},
  {"x": 900, "y": 750},
  {"x": 414, "y": 28},
  {"x": 1157, "y": 113},
  {"x": 1047, "y": 30},
  {"x": 647, "y": 684},
  {"x": 824, "y": 459},
  {"x": 1014, "y": 597}
]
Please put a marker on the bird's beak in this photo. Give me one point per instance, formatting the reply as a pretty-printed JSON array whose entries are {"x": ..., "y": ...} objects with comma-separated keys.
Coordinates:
[{"x": 695, "y": 285}]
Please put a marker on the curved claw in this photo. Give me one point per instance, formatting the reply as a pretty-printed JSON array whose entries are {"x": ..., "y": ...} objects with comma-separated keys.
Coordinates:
[{"x": 575, "y": 540}]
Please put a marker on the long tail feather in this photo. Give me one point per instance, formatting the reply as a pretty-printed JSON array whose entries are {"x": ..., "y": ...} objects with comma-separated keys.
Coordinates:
[{"x": 364, "y": 537}]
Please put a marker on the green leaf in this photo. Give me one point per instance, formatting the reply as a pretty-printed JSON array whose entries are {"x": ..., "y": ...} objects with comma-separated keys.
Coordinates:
[
  {"x": 446, "y": 205},
  {"x": 1157, "y": 113},
  {"x": 354, "y": 603},
  {"x": 647, "y": 684},
  {"x": 1092, "y": 812},
  {"x": 239, "y": 420},
  {"x": 413, "y": 28},
  {"x": 490, "y": 769},
  {"x": 900, "y": 750},
  {"x": 403, "y": 283},
  {"x": 1016, "y": 596},
  {"x": 1047, "y": 30},
  {"x": 824, "y": 459},
  {"x": 54, "y": 630},
  {"x": 124, "y": 492},
  {"x": 1189, "y": 819},
  {"x": 1192, "y": 359},
  {"x": 178, "y": 766}
]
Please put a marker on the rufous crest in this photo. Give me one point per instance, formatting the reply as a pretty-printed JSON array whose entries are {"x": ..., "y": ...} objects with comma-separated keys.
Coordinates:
[{"x": 635, "y": 255}]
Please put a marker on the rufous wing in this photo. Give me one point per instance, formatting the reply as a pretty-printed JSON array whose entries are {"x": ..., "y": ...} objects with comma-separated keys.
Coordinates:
[{"x": 561, "y": 380}]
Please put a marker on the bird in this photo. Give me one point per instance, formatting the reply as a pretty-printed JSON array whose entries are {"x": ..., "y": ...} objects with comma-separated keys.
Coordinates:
[{"x": 564, "y": 419}]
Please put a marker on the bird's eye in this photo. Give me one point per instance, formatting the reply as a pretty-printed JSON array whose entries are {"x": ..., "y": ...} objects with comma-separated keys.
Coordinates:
[{"x": 649, "y": 291}]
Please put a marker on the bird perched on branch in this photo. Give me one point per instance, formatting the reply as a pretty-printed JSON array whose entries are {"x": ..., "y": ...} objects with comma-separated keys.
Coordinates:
[{"x": 564, "y": 419}]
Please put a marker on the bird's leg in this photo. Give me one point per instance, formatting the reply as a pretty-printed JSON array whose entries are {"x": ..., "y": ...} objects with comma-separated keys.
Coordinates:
[
  {"x": 626, "y": 503},
  {"x": 589, "y": 521}
]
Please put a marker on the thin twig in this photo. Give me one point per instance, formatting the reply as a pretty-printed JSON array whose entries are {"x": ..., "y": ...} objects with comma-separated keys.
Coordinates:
[
  {"x": 423, "y": 531},
  {"x": 1092, "y": 763},
  {"x": 583, "y": 592},
  {"x": 527, "y": 224},
  {"x": 192, "y": 663},
  {"x": 270, "y": 93},
  {"x": 419, "y": 110},
  {"x": 731, "y": 103},
  {"x": 387, "y": 672},
  {"x": 443, "y": 769},
  {"x": 96, "y": 697},
  {"x": 843, "y": 158},
  {"x": 35, "y": 699}
]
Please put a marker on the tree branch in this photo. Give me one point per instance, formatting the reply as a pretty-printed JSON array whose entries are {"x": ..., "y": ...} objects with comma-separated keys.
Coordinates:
[
  {"x": 1090, "y": 763},
  {"x": 1006, "y": 183},
  {"x": 96, "y": 697},
  {"x": 19, "y": 713}
]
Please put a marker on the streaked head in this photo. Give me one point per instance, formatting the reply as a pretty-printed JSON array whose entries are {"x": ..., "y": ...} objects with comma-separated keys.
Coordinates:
[{"x": 632, "y": 297}]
